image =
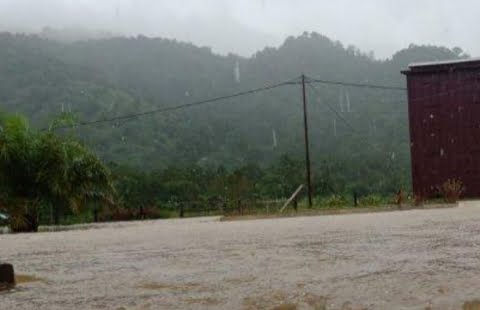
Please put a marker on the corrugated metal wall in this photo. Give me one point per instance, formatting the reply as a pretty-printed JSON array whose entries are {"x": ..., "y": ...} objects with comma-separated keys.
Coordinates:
[{"x": 444, "y": 113}]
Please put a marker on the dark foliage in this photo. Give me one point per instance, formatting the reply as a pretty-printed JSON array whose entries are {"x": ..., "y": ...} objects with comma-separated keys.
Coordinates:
[{"x": 178, "y": 156}]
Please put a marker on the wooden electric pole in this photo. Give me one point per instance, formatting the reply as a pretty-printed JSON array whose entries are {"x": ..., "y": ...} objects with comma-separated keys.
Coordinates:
[{"x": 307, "y": 144}]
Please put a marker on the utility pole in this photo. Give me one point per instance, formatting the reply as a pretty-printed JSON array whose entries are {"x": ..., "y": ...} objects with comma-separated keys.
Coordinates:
[{"x": 307, "y": 144}]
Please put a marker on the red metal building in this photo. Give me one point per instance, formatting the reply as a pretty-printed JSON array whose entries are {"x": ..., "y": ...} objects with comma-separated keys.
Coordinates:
[{"x": 444, "y": 114}]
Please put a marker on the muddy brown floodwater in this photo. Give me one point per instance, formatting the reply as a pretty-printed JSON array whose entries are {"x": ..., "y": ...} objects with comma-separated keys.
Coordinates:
[{"x": 419, "y": 259}]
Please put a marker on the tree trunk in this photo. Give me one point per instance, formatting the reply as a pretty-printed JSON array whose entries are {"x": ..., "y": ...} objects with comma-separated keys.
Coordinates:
[
  {"x": 95, "y": 214},
  {"x": 32, "y": 221},
  {"x": 182, "y": 214},
  {"x": 31, "y": 218},
  {"x": 56, "y": 215}
]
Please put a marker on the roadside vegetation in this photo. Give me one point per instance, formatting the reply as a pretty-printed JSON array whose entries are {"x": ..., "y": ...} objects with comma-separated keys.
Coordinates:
[
  {"x": 53, "y": 179},
  {"x": 239, "y": 158},
  {"x": 41, "y": 172}
]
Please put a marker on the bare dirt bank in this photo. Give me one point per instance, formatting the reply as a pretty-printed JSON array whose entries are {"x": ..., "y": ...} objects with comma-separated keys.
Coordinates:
[{"x": 394, "y": 260}]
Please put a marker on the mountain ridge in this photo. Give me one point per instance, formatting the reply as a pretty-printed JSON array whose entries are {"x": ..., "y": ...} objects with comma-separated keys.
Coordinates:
[{"x": 99, "y": 79}]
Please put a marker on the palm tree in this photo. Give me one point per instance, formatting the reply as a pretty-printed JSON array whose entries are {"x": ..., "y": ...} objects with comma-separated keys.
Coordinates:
[{"x": 41, "y": 168}]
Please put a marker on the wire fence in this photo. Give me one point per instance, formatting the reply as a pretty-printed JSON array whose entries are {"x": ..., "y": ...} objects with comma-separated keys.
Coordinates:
[{"x": 238, "y": 207}]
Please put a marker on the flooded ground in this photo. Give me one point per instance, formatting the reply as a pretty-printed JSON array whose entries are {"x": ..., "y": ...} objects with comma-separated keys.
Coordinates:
[{"x": 419, "y": 259}]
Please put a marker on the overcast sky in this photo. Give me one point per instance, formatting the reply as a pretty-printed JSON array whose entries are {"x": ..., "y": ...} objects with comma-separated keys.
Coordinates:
[{"x": 245, "y": 26}]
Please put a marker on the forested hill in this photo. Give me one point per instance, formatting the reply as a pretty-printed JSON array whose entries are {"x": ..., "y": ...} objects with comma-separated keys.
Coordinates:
[{"x": 100, "y": 79}]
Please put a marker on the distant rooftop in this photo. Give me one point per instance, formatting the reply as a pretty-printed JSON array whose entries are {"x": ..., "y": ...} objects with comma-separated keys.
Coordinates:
[
  {"x": 443, "y": 65},
  {"x": 443, "y": 62}
]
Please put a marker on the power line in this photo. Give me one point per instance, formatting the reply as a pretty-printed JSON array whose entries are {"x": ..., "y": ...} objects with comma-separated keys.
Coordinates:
[
  {"x": 343, "y": 119},
  {"x": 294, "y": 81},
  {"x": 360, "y": 85},
  {"x": 309, "y": 81},
  {"x": 179, "y": 107},
  {"x": 374, "y": 86}
]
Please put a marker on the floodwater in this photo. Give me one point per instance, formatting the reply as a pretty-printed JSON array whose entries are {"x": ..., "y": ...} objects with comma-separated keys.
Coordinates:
[{"x": 418, "y": 259}]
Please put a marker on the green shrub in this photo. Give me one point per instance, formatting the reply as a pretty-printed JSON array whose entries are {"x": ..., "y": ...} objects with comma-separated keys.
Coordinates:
[
  {"x": 333, "y": 201},
  {"x": 371, "y": 201},
  {"x": 153, "y": 213},
  {"x": 451, "y": 190}
]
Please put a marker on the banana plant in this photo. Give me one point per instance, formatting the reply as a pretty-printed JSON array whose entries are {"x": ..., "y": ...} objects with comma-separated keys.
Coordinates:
[{"x": 42, "y": 168}]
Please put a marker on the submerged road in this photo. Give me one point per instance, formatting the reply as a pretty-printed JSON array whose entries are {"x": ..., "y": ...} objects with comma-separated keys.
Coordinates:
[{"x": 418, "y": 259}]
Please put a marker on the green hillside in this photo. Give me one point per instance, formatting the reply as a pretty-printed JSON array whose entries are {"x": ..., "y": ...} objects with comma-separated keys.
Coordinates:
[{"x": 100, "y": 79}]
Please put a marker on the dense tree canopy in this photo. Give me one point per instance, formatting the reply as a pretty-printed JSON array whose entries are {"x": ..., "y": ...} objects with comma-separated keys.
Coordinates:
[{"x": 98, "y": 79}]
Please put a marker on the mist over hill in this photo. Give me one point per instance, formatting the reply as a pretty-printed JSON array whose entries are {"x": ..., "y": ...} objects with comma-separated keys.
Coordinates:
[{"x": 104, "y": 78}]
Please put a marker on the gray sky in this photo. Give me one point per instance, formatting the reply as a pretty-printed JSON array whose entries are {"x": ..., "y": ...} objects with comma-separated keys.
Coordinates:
[{"x": 245, "y": 26}]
